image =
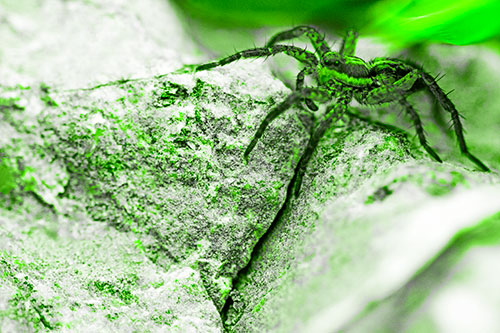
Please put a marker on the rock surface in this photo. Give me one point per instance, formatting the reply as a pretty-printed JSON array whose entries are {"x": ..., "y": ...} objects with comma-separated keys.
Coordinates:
[
  {"x": 160, "y": 160},
  {"x": 127, "y": 204}
]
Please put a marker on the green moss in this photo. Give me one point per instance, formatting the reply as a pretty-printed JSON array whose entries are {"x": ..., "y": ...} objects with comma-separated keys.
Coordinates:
[
  {"x": 135, "y": 98},
  {"x": 259, "y": 230},
  {"x": 198, "y": 89},
  {"x": 226, "y": 287},
  {"x": 235, "y": 193},
  {"x": 171, "y": 93},
  {"x": 7, "y": 177},
  {"x": 9, "y": 103},
  {"x": 165, "y": 318},
  {"x": 391, "y": 143},
  {"x": 48, "y": 101},
  {"x": 259, "y": 305},
  {"x": 113, "y": 316},
  {"x": 138, "y": 244},
  {"x": 272, "y": 196},
  {"x": 24, "y": 305},
  {"x": 157, "y": 284},
  {"x": 108, "y": 288},
  {"x": 192, "y": 289},
  {"x": 16, "y": 177},
  {"x": 443, "y": 186},
  {"x": 110, "y": 165},
  {"x": 197, "y": 114}
]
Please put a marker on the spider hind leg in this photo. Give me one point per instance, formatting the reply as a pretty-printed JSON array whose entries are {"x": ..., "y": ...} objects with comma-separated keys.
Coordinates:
[
  {"x": 408, "y": 84},
  {"x": 447, "y": 104},
  {"x": 396, "y": 92},
  {"x": 419, "y": 128}
]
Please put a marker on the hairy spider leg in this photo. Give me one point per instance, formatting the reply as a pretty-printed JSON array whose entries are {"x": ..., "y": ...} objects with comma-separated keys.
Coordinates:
[
  {"x": 348, "y": 47},
  {"x": 395, "y": 92},
  {"x": 305, "y": 57},
  {"x": 438, "y": 94},
  {"x": 419, "y": 128},
  {"x": 447, "y": 104},
  {"x": 438, "y": 116},
  {"x": 392, "y": 92},
  {"x": 300, "y": 85},
  {"x": 317, "y": 40},
  {"x": 319, "y": 94},
  {"x": 436, "y": 111},
  {"x": 333, "y": 113}
]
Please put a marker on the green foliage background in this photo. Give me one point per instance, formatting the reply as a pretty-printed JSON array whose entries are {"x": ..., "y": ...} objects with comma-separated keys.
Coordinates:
[{"x": 401, "y": 21}]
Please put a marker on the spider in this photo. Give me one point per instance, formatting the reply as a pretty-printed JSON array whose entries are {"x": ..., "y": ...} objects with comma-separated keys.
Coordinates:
[{"x": 341, "y": 76}]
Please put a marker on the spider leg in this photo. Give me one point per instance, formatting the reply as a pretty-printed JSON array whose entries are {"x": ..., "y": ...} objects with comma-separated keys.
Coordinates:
[
  {"x": 419, "y": 128},
  {"x": 300, "y": 85},
  {"x": 392, "y": 92},
  {"x": 395, "y": 91},
  {"x": 317, "y": 40},
  {"x": 318, "y": 94},
  {"x": 406, "y": 83},
  {"x": 447, "y": 104},
  {"x": 306, "y": 57},
  {"x": 334, "y": 112},
  {"x": 349, "y": 42},
  {"x": 438, "y": 116}
]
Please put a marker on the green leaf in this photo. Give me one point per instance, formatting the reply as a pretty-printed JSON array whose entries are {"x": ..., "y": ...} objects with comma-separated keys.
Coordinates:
[{"x": 451, "y": 21}]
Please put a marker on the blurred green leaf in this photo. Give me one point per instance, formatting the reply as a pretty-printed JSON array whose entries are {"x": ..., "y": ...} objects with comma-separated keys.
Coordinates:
[
  {"x": 458, "y": 22},
  {"x": 399, "y": 21},
  {"x": 257, "y": 13}
]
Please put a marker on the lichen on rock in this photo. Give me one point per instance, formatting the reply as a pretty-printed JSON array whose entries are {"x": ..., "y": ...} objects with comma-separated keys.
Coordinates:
[
  {"x": 127, "y": 204},
  {"x": 160, "y": 160}
]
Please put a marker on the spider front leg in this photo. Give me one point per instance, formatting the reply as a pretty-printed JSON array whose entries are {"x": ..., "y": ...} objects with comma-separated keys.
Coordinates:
[
  {"x": 306, "y": 57},
  {"x": 318, "y": 94},
  {"x": 300, "y": 85},
  {"x": 317, "y": 40},
  {"x": 333, "y": 113},
  {"x": 348, "y": 47}
]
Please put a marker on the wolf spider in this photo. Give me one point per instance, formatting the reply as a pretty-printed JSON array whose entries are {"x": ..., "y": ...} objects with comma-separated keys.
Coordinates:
[{"x": 343, "y": 76}]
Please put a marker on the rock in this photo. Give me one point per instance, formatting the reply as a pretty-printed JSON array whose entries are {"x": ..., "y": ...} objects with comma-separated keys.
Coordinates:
[
  {"x": 127, "y": 204},
  {"x": 159, "y": 160},
  {"x": 70, "y": 273},
  {"x": 330, "y": 256},
  {"x": 347, "y": 253}
]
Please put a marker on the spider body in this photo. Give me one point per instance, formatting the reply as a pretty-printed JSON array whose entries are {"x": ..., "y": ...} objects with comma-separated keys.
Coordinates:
[{"x": 341, "y": 76}]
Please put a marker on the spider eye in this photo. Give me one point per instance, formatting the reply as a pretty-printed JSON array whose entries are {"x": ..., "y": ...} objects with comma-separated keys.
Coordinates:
[{"x": 332, "y": 63}]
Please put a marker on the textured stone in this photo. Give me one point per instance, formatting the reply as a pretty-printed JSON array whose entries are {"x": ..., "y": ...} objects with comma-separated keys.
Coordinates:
[
  {"x": 127, "y": 205},
  {"x": 160, "y": 160}
]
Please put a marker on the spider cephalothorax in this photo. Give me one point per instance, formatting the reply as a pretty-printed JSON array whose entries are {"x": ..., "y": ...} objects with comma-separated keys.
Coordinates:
[{"x": 341, "y": 76}]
